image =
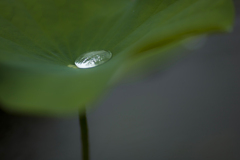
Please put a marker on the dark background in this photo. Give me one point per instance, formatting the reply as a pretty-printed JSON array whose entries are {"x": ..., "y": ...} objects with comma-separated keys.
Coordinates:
[{"x": 190, "y": 111}]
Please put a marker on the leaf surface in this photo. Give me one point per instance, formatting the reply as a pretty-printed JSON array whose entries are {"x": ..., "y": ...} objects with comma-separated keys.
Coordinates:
[{"x": 39, "y": 39}]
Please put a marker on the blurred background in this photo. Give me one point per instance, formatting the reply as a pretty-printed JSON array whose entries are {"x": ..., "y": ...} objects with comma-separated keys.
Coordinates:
[{"x": 190, "y": 111}]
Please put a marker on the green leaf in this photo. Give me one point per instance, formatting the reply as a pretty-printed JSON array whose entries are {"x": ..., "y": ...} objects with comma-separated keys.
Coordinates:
[{"x": 40, "y": 39}]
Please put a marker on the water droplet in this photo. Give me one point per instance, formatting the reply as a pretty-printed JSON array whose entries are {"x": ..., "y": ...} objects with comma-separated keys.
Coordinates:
[{"x": 93, "y": 59}]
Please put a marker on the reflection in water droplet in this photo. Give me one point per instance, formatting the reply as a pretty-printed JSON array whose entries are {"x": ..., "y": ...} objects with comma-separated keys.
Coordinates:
[
  {"x": 71, "y": 66},
  {"x": 93, "y": 59}
]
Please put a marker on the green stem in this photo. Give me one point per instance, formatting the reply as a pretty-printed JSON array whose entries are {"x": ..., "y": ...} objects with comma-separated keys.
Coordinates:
[{"x": 84, "y": 135}]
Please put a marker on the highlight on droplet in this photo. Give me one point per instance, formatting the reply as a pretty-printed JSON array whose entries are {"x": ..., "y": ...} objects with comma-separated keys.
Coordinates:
[{"x": 93, "y": 59}]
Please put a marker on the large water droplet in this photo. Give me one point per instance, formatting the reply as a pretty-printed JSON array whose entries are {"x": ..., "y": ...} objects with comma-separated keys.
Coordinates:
[{"x": 93, "y": 59}]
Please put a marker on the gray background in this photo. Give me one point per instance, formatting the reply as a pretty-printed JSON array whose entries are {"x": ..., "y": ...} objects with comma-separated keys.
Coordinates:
[{"x": 191, "y": 110}]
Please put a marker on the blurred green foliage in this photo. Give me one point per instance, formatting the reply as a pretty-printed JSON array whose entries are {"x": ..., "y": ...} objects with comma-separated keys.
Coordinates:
[{"x": 39, "y": 39}]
